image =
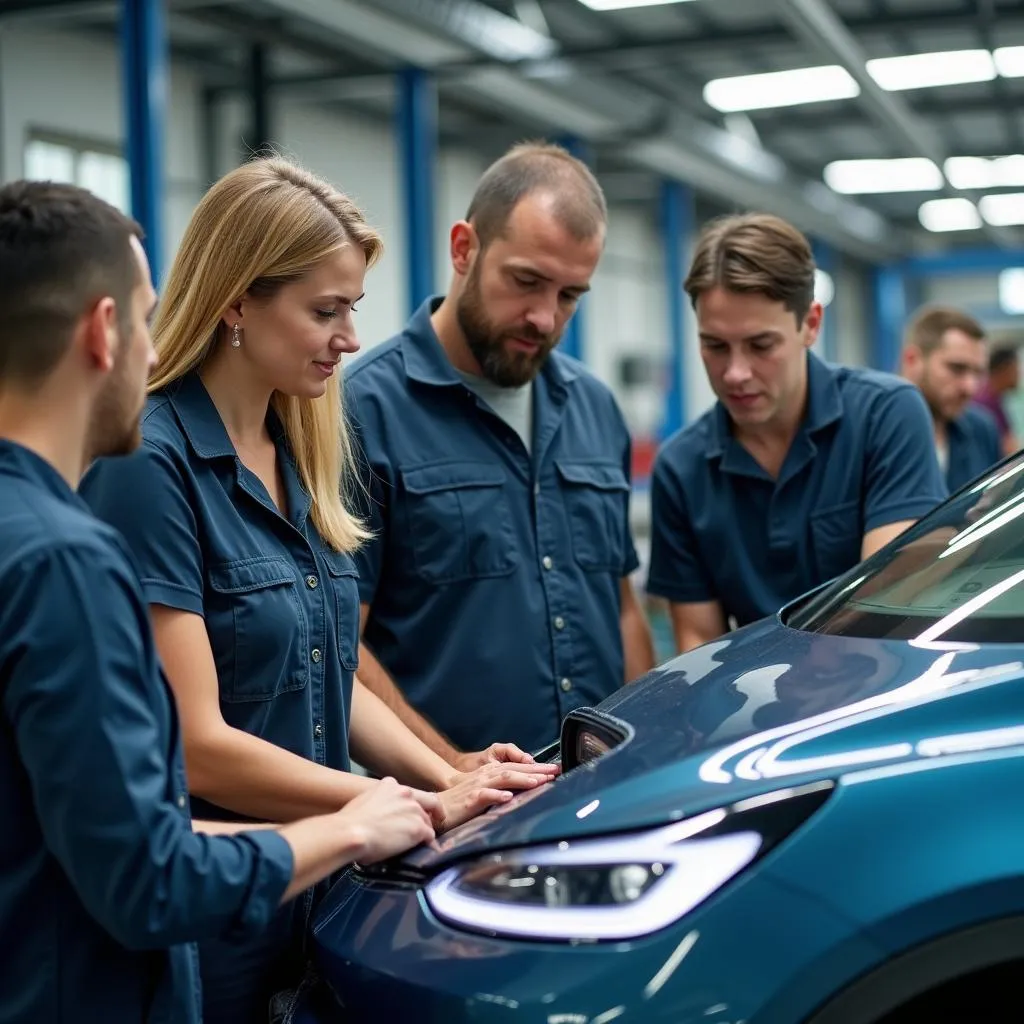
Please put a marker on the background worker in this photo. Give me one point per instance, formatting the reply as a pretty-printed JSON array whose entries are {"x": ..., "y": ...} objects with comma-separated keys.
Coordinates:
[
  {"x": 945, "y": 355},
  {"x": 1003, "y": 377}
]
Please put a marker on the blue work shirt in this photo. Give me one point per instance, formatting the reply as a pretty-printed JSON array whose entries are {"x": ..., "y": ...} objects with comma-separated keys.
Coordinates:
[
  {"x": 974, "y": 446},
  {"x": 722, "y": 529},
  {"x": 102, "y": 882},
  {"x": 494, "y": 575},
  {"x": 281, "y": 608}
]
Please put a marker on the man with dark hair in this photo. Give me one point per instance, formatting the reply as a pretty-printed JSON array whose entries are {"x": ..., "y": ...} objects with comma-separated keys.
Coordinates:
[
  {"x": 1003, "y": 377},
  {"x": 104, "y": 879},
  {"x": 800, "y": 469},
  {"x": 496, "y": 592},
  {"x": 944, "y": 356}
]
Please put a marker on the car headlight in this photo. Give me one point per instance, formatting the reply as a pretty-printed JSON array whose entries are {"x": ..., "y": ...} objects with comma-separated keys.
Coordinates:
[{"x": 619, "y": 887}]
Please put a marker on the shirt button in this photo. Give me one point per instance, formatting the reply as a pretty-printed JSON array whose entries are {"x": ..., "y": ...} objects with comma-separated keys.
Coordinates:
[
  {"x": 559, "y": 622},
  {"x": 315, "y": 655},
  {"x": 181, "y": 801},
  {"x": 318, "y": 730},
  {"x": 566, "y": 685},
  {"x": 546, "y": 562},
  {"x": 312, "y": 582},
  {"x": 536, "y": 488}
]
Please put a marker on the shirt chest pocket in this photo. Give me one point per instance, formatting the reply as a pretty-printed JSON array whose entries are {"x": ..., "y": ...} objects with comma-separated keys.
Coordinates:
[
  {"x": 837, "y": 535},
  {"x": 343, "y": 575},
  {"x": 459, "y": 521},
  {"x": 257, "y": 628},
  {"x": 596, "y": 496}
]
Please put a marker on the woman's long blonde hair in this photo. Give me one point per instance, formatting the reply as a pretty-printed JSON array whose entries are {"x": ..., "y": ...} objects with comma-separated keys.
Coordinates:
[{"x": 264, "y": 225}]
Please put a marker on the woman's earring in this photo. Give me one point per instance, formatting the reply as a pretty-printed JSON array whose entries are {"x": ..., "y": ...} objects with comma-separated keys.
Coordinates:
[{"x": 236, "y": 336}]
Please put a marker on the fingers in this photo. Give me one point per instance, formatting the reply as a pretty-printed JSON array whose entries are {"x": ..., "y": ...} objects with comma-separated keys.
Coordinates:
[
  {"x": 491, "y": 772},
  {"x": 510, "y": 752},
  {"x": 428, "y": 801},
  {"x": 510, "y": 778}
]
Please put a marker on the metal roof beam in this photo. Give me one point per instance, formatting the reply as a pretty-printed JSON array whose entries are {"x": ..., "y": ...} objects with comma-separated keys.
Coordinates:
[
  {"x": 609, "y": 113},
  {"x": 820, "y": 27}
]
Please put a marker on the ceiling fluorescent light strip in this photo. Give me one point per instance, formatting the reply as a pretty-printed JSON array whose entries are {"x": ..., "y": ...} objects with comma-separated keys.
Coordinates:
[
  {"x": 831, "y": 82},
  {"x": 1004, "y": 209},
  {"x": 780, "y": 89},
  {"x": 949, "y": 215},
  {"x": 932, "y": 70},
  {"x": 1009, "y": 61},
  {"x": 625, "y": 5},
  {"x": 861, "y": 177}
]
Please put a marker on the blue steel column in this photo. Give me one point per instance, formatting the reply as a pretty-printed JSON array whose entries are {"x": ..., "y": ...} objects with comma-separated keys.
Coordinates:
[
  {"x": 890, "y": 314},
  {"x": 416, "y": 124},
  {"x": 144, "y": 76},
  {"x": 572, "y": 343},
  {"x": 677, "y": 224},
  {"x": 825, "y": 259}
]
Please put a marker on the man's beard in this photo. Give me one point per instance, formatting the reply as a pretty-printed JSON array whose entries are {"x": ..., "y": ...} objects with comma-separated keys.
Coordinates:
[
  {"x": 116, "y": 427},
  {"x": 487, "y": 343}
]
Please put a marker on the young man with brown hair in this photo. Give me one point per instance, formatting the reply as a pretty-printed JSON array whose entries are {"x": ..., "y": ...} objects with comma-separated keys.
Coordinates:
[
  {"x": 496, "y": 592},
  {"x": 800, "y": 469},
  {"x": 944, "y": 355}
]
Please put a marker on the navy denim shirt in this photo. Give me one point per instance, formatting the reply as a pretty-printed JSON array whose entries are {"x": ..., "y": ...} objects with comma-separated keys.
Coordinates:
[
  {"x": 723, "y": 530},
  {"x": 102, "y": 881},
  {"x": 974, "y": 446},
  {"x": 281, "y": 608},
  {"x": 494, "y": 575}
]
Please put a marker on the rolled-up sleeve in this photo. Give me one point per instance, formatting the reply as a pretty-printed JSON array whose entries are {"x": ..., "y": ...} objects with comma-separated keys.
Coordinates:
[
  {"x": 145, "y": 498},
  {"x": 93, "y": 725},
  {"x": 676, "y": 571},
  {"x": 902, "y": 475}
]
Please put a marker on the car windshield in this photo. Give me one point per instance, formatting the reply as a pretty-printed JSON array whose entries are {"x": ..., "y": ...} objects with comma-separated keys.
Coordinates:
[{"x": 957, "y": 576}]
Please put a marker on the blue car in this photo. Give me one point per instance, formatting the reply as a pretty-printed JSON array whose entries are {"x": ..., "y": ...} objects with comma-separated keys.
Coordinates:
[{"x": 818, "y": 818}]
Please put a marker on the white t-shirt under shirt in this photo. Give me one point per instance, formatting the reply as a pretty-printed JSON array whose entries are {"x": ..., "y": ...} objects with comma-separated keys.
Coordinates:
[{"x": 513, "y": 405}]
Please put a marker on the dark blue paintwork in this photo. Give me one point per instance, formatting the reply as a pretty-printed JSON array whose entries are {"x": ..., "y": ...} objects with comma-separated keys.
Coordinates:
[{"x": 924, "y": 743}]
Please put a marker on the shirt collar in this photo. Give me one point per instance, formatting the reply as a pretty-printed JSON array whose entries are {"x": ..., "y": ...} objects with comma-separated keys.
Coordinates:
[
  {"x": 199, "y": 419},
  {"x": 427, "y": 362},
  {"x": 824, "y": 407},
  {"x": 17, "y": 460}
]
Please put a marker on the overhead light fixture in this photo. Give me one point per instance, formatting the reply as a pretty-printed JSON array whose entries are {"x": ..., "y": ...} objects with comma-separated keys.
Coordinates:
[
  {"x": 1003, "y": 209},
  {"x": 928, "y": 70},
  {"x": 1011, "y": 291},
  {"x": 1009, "y": 61},
  {"x": 861, "y": 177},
  {"x": 625, "y": 5},
  {"x": 985, "y": 172},
  {"x": 949, "y": 215},
  {"x": 780, "y": 89}
]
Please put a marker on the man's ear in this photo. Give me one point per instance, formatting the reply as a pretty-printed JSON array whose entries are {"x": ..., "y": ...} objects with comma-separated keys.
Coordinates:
[
  {"x": 812, "y": 323},
  {"x": 98, "y": 334},
  {"x": 464, "y": 244},
  {"x": 911, "y": 359}
]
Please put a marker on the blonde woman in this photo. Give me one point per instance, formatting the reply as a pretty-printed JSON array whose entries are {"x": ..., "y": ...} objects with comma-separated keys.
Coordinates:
[{"x": 233, "y": 510}]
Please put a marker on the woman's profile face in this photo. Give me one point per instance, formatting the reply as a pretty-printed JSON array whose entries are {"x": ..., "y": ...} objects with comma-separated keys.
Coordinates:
[{"x": 295, "y": 340}]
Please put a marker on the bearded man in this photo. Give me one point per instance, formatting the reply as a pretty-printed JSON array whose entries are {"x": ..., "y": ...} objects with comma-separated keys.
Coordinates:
[{"x": 495, "y": 592}]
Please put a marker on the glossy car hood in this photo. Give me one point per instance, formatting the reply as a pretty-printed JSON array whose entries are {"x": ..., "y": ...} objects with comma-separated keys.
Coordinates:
[{"x": 763, "y": 709}]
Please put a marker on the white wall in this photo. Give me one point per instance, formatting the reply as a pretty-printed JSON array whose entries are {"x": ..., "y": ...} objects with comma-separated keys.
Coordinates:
[
  {"x": 71, "y": 85},
  {"x": 978, "y": 294}
]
